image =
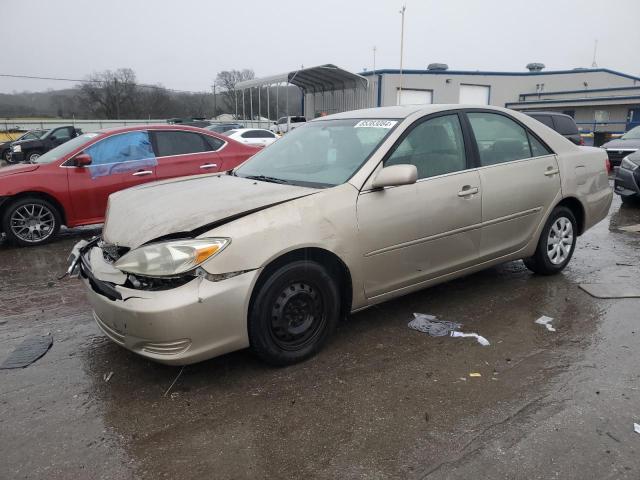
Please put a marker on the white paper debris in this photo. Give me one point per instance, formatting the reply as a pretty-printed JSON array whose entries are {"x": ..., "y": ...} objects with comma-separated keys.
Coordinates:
[
  {"x": 636, "y": 427},
  {"x": 481, "y": 340},
  {"x": 544, "y": 320}
]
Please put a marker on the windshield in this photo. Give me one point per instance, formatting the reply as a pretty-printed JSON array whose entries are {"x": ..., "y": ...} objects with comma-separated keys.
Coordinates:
[
  {"x": 633, "y": 134},
  {"x": 33, "y": 135},
  {"x": 66, "y": 148},
  {"x": 319, "y": 154}
]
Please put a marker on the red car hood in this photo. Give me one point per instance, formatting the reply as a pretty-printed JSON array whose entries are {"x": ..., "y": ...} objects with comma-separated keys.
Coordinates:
[{"x": 22, "y": 168}]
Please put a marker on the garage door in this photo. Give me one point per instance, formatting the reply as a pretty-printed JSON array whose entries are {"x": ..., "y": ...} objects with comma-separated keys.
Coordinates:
[
  {"x": 474, "y": 94},
  {"x": 413, "y": 97}
]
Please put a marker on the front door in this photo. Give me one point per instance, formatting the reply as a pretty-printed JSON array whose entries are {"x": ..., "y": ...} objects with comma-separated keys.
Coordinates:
[
  {"x": 520, "y": 182},
  {"x": 117, "y": 162},
  {"x": 412, "y": 233},
  {"x": 182, "y": 153}
]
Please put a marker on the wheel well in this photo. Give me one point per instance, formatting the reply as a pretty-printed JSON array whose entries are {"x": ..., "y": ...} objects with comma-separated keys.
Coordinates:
[
  {"x": 339, "y": 271},
  {"x": 43, "y": 196},
  {"x": 577, "y": 209}
]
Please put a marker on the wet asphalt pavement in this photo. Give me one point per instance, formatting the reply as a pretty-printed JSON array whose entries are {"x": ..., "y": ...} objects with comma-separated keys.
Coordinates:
[{"x": 381, "y": 401}]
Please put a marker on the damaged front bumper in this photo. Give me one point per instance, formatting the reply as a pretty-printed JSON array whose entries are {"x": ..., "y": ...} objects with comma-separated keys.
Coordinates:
[{"x": 195, "y": 321}]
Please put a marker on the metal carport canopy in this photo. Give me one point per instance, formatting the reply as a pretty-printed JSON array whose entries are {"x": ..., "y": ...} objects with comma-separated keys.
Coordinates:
[{"x": 323, "y": 78}]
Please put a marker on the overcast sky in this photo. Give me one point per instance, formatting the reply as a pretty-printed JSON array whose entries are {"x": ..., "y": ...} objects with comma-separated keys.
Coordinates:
[{"x": 183, "y": 44}]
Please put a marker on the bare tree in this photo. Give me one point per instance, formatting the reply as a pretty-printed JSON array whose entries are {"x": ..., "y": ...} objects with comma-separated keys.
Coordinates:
[
  {"x": 227, "y": 81},
  {"x": 111, "y": 94}
]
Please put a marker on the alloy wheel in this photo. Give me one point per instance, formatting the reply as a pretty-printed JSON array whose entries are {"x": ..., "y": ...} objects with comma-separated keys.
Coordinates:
[
  {"x": 32, "y": 222},
  {"x": 560, "y": 240}
]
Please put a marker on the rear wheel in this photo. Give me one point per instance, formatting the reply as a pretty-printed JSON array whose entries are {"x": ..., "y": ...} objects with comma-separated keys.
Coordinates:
[
  {"x": 30, "y": 221},
  {"x": 294, "y": 312},
  {"x": 33, "y": 156},
  {"x": 5, "y": 155},
  {"x": 630, "y": 200},
  {"x": 556, "y": 245}
]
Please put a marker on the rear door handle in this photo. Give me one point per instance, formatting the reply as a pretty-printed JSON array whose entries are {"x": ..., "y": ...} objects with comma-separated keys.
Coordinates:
[
  {"x": 550, "y": 172},
  {"x": 143, "y": 173},
  {"x": 208, "y": 165},
  {"x": 468, "y": 190}
]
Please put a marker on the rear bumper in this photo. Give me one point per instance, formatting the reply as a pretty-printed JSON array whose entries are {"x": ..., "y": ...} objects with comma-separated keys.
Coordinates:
[{"x": 627, "y": 182}]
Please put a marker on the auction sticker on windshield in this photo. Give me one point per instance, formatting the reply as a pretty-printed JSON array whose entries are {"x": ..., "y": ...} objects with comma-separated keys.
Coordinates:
[{"x": 375, "y": 124}]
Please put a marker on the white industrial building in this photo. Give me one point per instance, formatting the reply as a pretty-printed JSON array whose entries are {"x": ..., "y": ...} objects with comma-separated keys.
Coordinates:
[{"x": 599, "y": 99}]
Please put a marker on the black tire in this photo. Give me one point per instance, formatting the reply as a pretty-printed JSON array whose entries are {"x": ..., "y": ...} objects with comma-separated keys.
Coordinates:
[
  {"x": 630, "y": 201},
  {"x": 297, "y": 294},
  {"x": 32, "y": 156},
  {"x": 543, "y": 261},
  {"x": 5, "y": 155},
  {"x": 44, "y": 212}
]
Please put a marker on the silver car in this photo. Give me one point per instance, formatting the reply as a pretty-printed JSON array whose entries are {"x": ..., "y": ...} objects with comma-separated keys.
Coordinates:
[{"x": 343, "y": 213}]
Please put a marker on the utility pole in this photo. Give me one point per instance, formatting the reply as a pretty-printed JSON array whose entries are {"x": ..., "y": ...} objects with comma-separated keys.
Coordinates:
[
  {"x": 402, "y": 10},
  {"x": 374, "y": 59},
  {"x": 214, "y": 100},
  {"x": 595, "y": 50}
]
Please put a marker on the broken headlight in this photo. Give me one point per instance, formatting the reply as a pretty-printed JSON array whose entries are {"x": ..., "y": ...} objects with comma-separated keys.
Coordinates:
[{"x": 167, "y": 259}]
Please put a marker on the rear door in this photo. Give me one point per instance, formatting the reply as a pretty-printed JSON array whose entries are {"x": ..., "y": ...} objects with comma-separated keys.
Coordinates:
[
  {"x": 520, "y": 181},
  {"x": 182, "y": 153},
  {"x": 117, "y": 162}
]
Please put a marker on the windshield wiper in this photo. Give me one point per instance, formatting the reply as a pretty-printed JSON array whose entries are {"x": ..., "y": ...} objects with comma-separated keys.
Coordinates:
[{"x": 264, "y": 178}]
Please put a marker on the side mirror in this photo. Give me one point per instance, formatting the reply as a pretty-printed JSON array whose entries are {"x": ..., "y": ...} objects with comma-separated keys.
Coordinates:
[
  {"x": 395, "y": 175},
  {"x": 82, "y": 160}
]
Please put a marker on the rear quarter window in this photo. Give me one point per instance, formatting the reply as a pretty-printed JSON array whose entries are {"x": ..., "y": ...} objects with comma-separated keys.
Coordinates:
[{"x": 565, "y": 125}]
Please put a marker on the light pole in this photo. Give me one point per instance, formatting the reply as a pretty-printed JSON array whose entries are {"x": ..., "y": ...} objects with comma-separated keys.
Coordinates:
[
  {"x": 402, "y": 10},
  {"x": 374, "y": 59}
]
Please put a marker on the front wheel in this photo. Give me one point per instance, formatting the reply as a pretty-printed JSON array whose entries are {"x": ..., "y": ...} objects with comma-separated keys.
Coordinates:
[
  {"x": 556, "y": 245},
  {"x": 294, "y": 312},
  {"x": 30, "y": 221}
]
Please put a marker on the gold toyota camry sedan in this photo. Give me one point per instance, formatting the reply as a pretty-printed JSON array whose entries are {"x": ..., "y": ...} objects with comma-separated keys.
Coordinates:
[{"x": 343, "y": 213}]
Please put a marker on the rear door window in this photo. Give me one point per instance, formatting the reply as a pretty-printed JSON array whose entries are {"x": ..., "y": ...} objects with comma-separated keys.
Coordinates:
[
  {"x": 169, "y": 143},
  {"x": 499, "y": 138}
]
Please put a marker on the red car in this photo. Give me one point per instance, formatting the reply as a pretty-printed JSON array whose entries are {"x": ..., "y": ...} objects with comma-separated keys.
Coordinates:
[{"x": 70, "y": 184}]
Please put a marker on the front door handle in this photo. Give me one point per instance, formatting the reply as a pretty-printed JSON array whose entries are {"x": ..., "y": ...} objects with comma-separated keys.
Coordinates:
[
  {"x": 550, "y": 171},
  {"x": 468, "y": 190},
  {"x": 208, "y": 165},
  {"x": 142, "y": 173}
]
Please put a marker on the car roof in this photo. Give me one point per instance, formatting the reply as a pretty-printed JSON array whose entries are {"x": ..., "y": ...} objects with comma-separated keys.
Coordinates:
[
  {"x": 134, "y": 128},
  {"x": 403, "y": 111},
  {"x": 242, "y": 130},
  {"x": 556, "y": 114}
]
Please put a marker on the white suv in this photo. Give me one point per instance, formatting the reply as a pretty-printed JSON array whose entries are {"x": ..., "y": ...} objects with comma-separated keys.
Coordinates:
[{"x": 282, "y": 125}]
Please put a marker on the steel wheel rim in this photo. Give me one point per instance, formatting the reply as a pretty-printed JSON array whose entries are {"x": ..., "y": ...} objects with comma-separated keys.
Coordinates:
[
  {"x": 33, "y": 157},
  {"x": 560, "y": 240},
  {"x": 297, "y": 317},
  {"x": 32, "y": 222}
]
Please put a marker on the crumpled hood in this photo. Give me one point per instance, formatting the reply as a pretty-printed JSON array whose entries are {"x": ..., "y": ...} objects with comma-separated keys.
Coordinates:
[
  {"x": 138, "y": 215},
  {"x": 19, "y": 168},
  {"x": 622, "y": 144}
]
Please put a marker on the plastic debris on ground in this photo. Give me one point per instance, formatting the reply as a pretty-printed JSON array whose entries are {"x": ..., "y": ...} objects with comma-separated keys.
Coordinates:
[
  {"x": 28, "y": 352},
  {"x": 441, "y": 328},
  {"x": 475, "y": 374},
  {"x": 611, "y": 290},
  {"x": 107, "y": 376},
  {"x": 636, "y": 427},
  {"x": 546, "y": 321}
]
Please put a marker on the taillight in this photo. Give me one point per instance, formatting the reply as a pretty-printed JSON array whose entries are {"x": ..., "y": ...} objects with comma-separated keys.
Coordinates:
[
  {"x": 607, "y": 165},
  {"x": 581, "y": 141}
]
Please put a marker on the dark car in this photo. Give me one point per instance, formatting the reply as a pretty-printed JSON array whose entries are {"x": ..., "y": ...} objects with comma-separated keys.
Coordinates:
[
  {"x": 621, "y": 147},
  {"x": 5, "y": 147},
  {"x": 30, "y": 149},
  {"x": 561, "y": 123},
  {"x": 190, "y": 122},
  {"x": 223, "y": 127},
  {"x": 627, "y": 183}
]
